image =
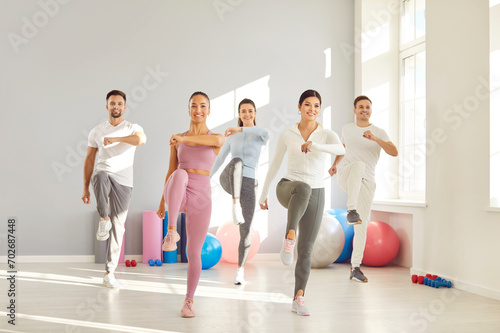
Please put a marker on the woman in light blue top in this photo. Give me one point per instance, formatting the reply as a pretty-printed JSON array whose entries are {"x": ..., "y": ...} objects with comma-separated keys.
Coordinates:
[{"x": 245, "y": 143}]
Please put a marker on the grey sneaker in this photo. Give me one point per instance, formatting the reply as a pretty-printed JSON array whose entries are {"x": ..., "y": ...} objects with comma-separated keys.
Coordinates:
[
  {"x": 299, "y": 307},
  {"x": 287, "y": 252},
  {"x": 357, "y": 275},
  {"x": 102, "y": 233},
  {"x": 353, "y": 217}
]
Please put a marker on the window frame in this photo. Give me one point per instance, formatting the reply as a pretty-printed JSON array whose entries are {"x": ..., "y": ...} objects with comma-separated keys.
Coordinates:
[{"x": 406, "y": 50}]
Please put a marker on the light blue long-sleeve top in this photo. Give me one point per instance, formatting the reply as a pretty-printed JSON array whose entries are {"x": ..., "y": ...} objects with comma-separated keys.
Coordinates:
[{"x": 246, "y": 145}]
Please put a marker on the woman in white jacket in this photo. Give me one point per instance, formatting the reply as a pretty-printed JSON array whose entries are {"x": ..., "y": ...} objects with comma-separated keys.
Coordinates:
[{"x": 301, "y": 190}]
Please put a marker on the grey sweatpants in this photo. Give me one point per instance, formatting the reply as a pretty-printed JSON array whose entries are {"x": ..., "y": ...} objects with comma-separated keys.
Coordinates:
[
  {"x": 305, "y": 211},
  {"x": 245, "y": 189},
  {"x": 112, "y": 200}
]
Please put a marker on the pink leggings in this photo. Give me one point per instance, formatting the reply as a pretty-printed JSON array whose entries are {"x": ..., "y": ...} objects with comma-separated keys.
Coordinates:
[{"x": 190, "y": 193}]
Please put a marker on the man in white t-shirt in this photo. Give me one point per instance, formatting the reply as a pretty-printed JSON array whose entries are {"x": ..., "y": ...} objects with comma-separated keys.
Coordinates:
[
  {"x": 356, "y": 175},
  {"x": 114, "y": 143}
]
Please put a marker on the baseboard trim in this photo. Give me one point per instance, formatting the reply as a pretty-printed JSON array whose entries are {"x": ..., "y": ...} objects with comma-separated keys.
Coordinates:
[
  {"x": 136, "y": 257},
  {"x": 91, "y": 258},
  {"x": 62, "y": 259},
  {"x": 465, "y": 286},
  {"x": 49, "y": 259}
]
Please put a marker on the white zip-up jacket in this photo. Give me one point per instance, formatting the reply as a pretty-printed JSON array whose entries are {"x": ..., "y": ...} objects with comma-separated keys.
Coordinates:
[{"x": 308, "y": 168}]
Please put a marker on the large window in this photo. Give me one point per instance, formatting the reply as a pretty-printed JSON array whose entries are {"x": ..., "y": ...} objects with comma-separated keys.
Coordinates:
[
  {"x": 412, "y": 21},
  {"x": 412, "y": 100}
]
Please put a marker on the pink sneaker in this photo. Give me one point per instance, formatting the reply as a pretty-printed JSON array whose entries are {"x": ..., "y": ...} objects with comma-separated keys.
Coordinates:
[
  {"x": 187, "y": 310},
  {"x": 170, "y": 241}
]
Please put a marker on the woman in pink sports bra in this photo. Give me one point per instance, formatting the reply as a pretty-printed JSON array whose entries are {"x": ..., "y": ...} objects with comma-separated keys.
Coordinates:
[{"x": 187, "y": 189}]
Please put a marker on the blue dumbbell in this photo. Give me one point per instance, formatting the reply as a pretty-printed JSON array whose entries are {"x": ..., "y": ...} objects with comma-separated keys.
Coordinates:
[
  {"x": 431, "y": 282},
  {"x": 428, "y": 282},
  {"x": 443, "y": 283},
  {"x": 158, "y": 262},
  {"x": 151, "y": 262}
]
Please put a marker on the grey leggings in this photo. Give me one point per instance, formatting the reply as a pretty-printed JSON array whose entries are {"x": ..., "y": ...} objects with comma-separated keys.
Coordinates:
[
  {"x": 245, "y": 189},
  {"x": 305, "y": 210}
]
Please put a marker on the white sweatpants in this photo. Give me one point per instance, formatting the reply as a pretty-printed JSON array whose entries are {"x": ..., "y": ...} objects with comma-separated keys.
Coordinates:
[{"x": 360, "y": 192}]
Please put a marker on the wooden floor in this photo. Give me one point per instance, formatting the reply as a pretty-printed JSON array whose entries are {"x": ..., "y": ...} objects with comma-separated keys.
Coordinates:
[{"x": 70, "y": 298}]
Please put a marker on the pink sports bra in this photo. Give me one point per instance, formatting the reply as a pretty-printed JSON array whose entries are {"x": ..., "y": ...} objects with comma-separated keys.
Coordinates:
[{"x": 196, "y": 157}]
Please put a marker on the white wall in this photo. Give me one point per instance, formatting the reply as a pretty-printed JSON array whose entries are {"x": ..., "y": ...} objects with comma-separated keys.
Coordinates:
[{"x": 54, "y": 79}]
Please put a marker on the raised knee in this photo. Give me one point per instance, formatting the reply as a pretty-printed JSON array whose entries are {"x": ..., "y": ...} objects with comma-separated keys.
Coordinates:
[
  {"x": 303, "y": 189},
  {"x": 359, "y": 165},
  {"x": 101, "y": 175},
  {"x": 180, "y": 174},
  {"x": 237, "y": 162}
]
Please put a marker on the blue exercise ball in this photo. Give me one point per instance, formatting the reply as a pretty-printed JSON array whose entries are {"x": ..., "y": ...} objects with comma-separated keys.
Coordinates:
[
  {"x": 336, "y": 211},
  {"x": 341, "y": 216},
  {"x": 211, "y": 252}
]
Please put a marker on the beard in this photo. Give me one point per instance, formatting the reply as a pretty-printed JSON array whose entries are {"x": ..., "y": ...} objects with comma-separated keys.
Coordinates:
[{"x": 116, "y": 115}]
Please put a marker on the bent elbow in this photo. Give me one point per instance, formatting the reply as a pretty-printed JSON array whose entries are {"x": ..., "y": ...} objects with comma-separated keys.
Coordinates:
[
  {"x": 222, "y": 139},
  {"x": 339, "y": 150}
]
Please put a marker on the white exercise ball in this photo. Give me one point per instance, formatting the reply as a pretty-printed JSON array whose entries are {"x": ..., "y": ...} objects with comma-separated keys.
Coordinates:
[{"x": 329, "y": 243}]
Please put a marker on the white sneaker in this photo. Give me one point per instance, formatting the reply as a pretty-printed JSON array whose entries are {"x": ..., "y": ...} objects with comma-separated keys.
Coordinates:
[
  {"x": 110, "y": 281},
  {"x": 238, "y": 278},
  {"x": 299, "y": 307},
  {"x": 286, "y": 253},
  {"x": 237, "y": 214},
  {"x": 103, "y": 230}
]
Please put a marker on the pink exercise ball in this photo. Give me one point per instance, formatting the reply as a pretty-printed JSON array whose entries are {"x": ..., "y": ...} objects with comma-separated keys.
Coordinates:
[
  {"x": 229, "y": 236},
  {"x": 382, "y": 244}
]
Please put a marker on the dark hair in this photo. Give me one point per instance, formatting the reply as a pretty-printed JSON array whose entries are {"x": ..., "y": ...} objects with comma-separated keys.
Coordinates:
[
  {"x": 309, "y": 93},
  {"x": 360, "y": 98},
  {"x": 246, "y": 101},
  {"x": 116, "y": 93},
  {"x": 199, "y": 93}
]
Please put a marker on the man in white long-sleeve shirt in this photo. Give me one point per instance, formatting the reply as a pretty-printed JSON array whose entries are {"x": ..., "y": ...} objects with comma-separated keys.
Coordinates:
[{"x": 363, "y": 142}]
